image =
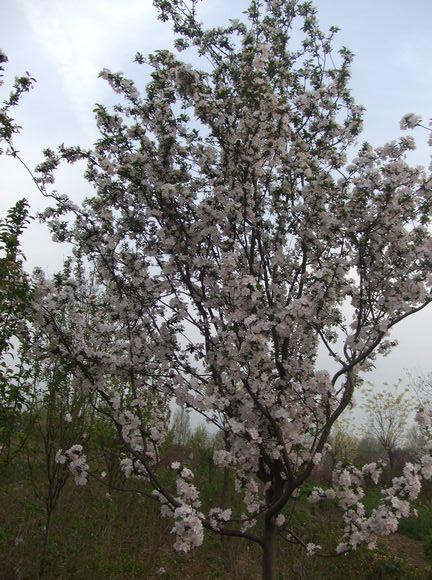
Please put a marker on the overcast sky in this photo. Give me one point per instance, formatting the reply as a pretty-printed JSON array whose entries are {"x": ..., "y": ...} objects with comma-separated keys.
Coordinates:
[{"x": 65, "y": 43}]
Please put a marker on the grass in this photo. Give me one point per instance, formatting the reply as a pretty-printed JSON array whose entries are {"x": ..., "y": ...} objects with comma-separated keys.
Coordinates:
[
  {"x": 420, "y": 527},
  {"x": 126, "y": 538}
]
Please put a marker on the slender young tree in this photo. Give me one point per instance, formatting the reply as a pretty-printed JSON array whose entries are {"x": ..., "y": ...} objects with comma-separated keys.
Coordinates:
[
  {"x": 15, "y": 286},
  {"x": 422, "y": 386},
  {"x": 344, "y": 444},
  {"x": 387, "y": 414},
  {"x": 181, "y": 428},
  {"x": 229, "y": 237},
  {"x": 56, "y": 418}
]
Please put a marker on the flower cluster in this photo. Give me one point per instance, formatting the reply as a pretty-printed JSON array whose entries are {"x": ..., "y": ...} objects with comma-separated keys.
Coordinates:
[
  {"x": 361, "y": 528},
  {"x": 76, "y": 462},
  {"x": 218, "y": 517},
  {"x": 409, "y": 121},
  {"x": 312, "y": 549},
  {"x": 188, "y": 526}
]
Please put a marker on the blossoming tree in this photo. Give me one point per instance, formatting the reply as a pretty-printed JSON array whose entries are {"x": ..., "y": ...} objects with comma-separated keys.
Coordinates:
[{"x": 229, "y": 238}]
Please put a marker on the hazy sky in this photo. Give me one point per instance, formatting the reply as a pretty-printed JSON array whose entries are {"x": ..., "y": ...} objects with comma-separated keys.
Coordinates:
[{"x": 65, "y": 43}]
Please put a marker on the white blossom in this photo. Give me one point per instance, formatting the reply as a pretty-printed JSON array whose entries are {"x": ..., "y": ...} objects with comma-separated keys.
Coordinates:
[{"x": 409, "y": 121}]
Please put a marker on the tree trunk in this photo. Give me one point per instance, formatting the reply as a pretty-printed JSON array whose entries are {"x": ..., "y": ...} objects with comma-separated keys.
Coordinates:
[
  {"x": 45, "y": 541},
  {"x": 391, "y": 456},
  {"x": 268, "y": 557},
  {"x": 224, "y": 505},
  {"x": 225, "y": 489}
]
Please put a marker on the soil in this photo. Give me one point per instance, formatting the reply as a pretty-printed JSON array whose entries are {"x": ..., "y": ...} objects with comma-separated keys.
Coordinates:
[{"x": 409, "y": 548}]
